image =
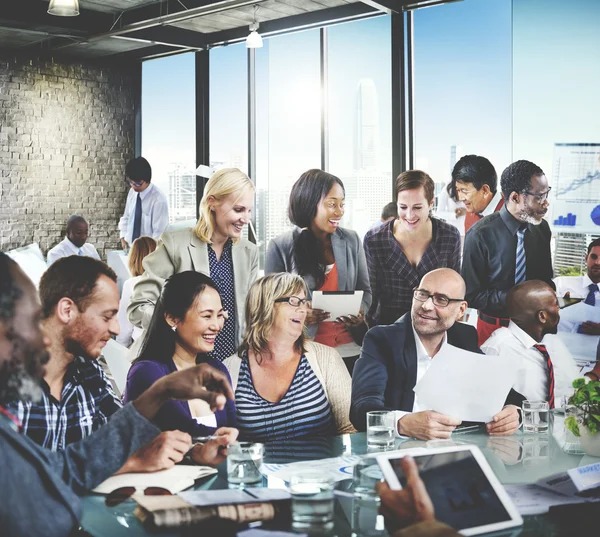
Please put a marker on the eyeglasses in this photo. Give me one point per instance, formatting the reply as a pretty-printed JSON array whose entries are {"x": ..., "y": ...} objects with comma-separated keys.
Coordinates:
[
  {"x": 119, "y": 495},
  {"x": 134, "y": 183},
  {"x": 293, "y": 301},
  {"x": 540, "y": 197},
  {"x": 441, "y": 301}
]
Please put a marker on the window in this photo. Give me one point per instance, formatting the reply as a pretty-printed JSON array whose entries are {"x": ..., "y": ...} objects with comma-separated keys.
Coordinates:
[{"x": 169, "y": 132}]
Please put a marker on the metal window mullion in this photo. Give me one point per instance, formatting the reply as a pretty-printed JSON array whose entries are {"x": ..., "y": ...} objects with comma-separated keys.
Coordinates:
[
  {"x": 252, "y": 129},
  {"x": 324, "y": 99}
]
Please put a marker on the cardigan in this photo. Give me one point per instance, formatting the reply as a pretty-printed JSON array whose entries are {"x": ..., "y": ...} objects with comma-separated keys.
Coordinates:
[{"x": 332, "y": 373}]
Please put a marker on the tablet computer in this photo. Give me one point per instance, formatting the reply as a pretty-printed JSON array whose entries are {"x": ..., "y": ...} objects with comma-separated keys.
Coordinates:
[
  {"x": 465, "y": 492},
  {"x": 337, "y": 303}
]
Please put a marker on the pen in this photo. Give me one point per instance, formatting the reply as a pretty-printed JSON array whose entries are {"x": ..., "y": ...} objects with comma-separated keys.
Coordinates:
[{"x": 204, "y": 439}]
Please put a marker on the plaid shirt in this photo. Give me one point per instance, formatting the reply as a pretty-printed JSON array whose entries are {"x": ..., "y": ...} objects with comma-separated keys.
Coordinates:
[
  {"x": 392, "y": 276},
  {"x": 87, "y": 401}
]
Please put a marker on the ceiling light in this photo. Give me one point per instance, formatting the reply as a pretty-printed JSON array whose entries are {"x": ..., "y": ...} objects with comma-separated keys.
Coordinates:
[
  {"x": 64, "y": 8},
  {"x": 254, "y": 40}
]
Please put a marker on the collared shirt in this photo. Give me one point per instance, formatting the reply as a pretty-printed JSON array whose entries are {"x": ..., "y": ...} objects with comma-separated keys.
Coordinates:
[
  {"x": 493, "y": 206},
  {"x": 87, "y": 401},
  {"x": 221, "y": 271},
  {"x": 66, "y": 248},
  {"x": 423, "y": 363},
  {"x": 155, "y": 214},
  {"x": 489, "y": 260},
  {"x": 392, "y": 276},
  {"x": 532, "y": 381},
  {"x": 578, "y": 286},
  {"x": 128, "y": 332}
]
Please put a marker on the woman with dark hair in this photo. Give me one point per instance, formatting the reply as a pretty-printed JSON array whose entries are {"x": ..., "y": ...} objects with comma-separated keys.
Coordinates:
[
  {"x": 402, "y": 251},
  {"x": 186, "y": 320},
  {"x": 327, "y": 256}
]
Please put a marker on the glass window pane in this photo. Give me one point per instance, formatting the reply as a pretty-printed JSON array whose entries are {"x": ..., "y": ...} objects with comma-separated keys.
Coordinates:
[
  {"x": 168, "y": 130},
  {"x": 359, "y": 117},
  {"x": 288, "y": 125},
  {"x": 462, "y": 85}
]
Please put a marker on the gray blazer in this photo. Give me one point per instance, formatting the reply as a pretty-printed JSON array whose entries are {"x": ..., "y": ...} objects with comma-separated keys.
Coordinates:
[
  {"x": 349, "y": 259},
  {"x": 182, "y": 250}
]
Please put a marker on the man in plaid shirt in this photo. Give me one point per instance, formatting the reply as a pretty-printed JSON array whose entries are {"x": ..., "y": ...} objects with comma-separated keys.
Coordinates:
[{"x": 80, "y": 301}]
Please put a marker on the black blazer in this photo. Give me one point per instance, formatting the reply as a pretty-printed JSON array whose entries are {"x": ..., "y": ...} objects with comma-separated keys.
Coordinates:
[{"x": 386, "y": 372}]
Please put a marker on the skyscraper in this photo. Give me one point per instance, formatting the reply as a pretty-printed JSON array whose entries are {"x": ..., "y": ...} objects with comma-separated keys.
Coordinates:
[
  {"x": 366, "y": 151},
  {"x": 182, "y": 194}
]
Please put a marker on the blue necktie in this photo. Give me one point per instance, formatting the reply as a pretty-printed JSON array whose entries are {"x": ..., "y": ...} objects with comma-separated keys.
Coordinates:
[
  {"x": 520, "y": 271},
  {"x": 137, "y": 221},
  {"x": 591, "y": 298},
  {"x": 80, "y": 252}
]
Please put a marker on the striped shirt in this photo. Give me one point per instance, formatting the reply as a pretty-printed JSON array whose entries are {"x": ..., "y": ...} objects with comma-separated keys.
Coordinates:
[
  {"x": 87, "y": 401},
  {"x": 303, "y": 410}
]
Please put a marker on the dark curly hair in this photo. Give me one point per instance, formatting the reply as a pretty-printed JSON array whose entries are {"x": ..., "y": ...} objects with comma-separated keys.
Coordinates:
[
  {"x": 10, "y": 292},
  {"x": 517, "y": 177}
]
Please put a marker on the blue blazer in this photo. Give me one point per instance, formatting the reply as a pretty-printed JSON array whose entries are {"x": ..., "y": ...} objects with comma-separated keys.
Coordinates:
[{"x": 386, "y": 372}]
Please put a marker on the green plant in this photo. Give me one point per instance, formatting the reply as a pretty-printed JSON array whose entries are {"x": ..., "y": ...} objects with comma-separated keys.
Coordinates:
[
  {"x": 587, "y": 399},
  {"x": 570, "y": 271}
]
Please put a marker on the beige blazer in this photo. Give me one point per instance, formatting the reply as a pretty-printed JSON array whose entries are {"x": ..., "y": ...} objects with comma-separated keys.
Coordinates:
[
  {"x": 182, "y": 250},
  {"x": 329, "y": 368}
]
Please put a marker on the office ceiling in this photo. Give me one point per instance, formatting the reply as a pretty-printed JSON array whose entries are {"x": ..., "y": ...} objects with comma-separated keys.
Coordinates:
[{"x": 143, "y": 29}]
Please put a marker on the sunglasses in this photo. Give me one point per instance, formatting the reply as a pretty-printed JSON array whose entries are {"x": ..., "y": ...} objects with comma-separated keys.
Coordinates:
[{"x": 119, "y": 495}]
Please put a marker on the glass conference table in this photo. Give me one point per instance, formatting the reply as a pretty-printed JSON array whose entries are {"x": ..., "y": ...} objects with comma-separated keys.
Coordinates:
[{"x": 522, "y": 458}]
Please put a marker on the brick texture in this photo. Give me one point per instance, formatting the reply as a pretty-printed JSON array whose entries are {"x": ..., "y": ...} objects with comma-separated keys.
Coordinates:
[{"x": 66, "y": 132}]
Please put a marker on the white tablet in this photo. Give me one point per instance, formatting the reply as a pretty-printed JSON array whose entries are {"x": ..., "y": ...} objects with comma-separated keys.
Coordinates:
[
  {"x": 465, "y": 492},
  {"x": 337, "y": 303}
]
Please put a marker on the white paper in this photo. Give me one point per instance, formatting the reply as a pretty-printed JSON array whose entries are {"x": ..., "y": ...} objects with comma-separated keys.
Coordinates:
[
  {"x": 466, "y": 385},
  {"x": 202, "y": 498},
  {"x": 338, "y": 304},
  {"x": 586, "y": 477},
  {"x": 572, "y": 316},
  {"x": 582, "y": 347},
  {"x": 534, "y": 500},
  {"x": 174, "y": 479},
  {"x": 336, "y": 468}
]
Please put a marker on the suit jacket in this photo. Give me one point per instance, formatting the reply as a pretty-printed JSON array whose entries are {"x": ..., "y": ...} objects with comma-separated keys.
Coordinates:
[
  {"x": 386, "y": 372},
  {"x": 182, "y": 250},
  {"x": 349, "y": 259}
]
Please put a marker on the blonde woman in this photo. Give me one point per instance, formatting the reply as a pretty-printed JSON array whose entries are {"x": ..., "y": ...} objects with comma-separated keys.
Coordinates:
[
  {"x": 286, "y": 387},
  {"x": 140, "y": 248},
  {"x": 214, "y": 247}
]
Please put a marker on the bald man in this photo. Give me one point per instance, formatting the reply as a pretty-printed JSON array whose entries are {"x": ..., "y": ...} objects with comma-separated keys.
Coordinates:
[
  {"x": 75, "y": 241},
  {"x": 395, "y": 357},
  {"x": 547, "y": 367}
]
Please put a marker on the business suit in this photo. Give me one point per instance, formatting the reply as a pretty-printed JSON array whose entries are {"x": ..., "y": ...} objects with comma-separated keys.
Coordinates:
[
  {"x": 182, "y": 250},
  {"x": 349, "y": 259},
  {"x": 386, "y": 372}
]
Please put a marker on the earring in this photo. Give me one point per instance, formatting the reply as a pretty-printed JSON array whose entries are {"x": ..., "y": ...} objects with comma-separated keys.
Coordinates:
[{"x": 174, "y": 328}]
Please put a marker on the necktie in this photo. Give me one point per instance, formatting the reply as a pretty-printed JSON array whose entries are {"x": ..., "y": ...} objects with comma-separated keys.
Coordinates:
[
  {"x": 591, "y": 298},
  {"x": 80, "y": 252},
  {"x": 550, "y": 394},
  {"x": 137, "y": 221},
  {"x": 520, "y": 264}
]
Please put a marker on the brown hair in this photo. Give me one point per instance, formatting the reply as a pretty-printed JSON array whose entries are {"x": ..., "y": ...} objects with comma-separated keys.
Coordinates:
[
  {"x": 141, "y": 247},
  {"x": 413, "y": 179}
]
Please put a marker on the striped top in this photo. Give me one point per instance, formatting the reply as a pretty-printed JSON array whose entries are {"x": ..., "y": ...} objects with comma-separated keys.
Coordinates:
[{"x": 303, "y": 410}]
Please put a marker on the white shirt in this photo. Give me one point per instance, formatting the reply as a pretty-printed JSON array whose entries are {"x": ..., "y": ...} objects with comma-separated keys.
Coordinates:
[
  {"x": 155, "y": 214},
  {"x": 578, "y": 286},
  {"x": 423, "y": 363},
  {"x": 491, "y": 207},
  {"x": 65, "y": 248},
  {"x": 532, "y": 381},
  {"x": 128, "y": 333}
]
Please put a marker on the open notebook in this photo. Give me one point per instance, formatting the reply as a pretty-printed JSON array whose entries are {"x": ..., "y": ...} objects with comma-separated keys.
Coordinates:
[{"x": 174, "y": 479}]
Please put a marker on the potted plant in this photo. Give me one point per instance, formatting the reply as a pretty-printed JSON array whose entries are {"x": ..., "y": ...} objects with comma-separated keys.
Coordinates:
[{"x": 587, "y": 399}]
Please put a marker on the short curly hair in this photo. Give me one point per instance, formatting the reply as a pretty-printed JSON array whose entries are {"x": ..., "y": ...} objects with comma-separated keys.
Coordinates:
[
  {"x": 10, "y": 292},
  {"x": 517, "y": 177}
]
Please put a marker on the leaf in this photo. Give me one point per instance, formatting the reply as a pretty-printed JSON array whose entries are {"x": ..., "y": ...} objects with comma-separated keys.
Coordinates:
[
  {"x": 578, "y": 383},
  {"x": 571, "y": 424}
]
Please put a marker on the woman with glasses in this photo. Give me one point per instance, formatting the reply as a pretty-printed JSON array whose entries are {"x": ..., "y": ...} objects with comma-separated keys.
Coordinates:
[
  {"x": 402, "y": 251},
  {"x": 214, "y": 247},
  {"x": 327, "y": 256},
  {"x": 286, "y": 387},
  {"x": 186, "y": 321}
]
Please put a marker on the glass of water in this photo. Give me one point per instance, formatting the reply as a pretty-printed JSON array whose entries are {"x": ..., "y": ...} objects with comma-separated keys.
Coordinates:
[
  {"x": 244, "y": 460},
  {"x": 380, "y": 429},
  {"x": 536, "y": 416},
  {"x": 366, "y": 520},
  {"x": 572, "y": 444},
  {"x": 312, "y": 503}
]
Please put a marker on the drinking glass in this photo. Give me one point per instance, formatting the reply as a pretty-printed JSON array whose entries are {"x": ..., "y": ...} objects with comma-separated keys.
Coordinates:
[
  {"x": 380, "y": 429},
  {"x": 536, "y": 416},
  {"x": 366, "y": 520},
  {"x": 244, "y": 460},
  {"x": 572, "y": 444},
  {"x": 312, "y": 503}
]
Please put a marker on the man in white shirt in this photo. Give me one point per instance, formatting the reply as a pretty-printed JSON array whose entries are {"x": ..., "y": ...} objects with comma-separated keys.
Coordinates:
[
  {"x": 547, "y": 369},
  {"x": 395, "y": 357},
  {"x": 585, "y": 287},
  {"x": 75, "y": 241},
  {"x": 147, "y": 210}
]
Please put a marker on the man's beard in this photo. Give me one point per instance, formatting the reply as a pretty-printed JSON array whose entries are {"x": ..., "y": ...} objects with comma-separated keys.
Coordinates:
[
  {"x": 530, "y": 218},
  {"x": 19, "y": 380}
]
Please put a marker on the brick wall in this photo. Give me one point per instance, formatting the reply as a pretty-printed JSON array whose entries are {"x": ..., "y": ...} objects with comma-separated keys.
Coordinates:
[{"x": 66, "y": 132}]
